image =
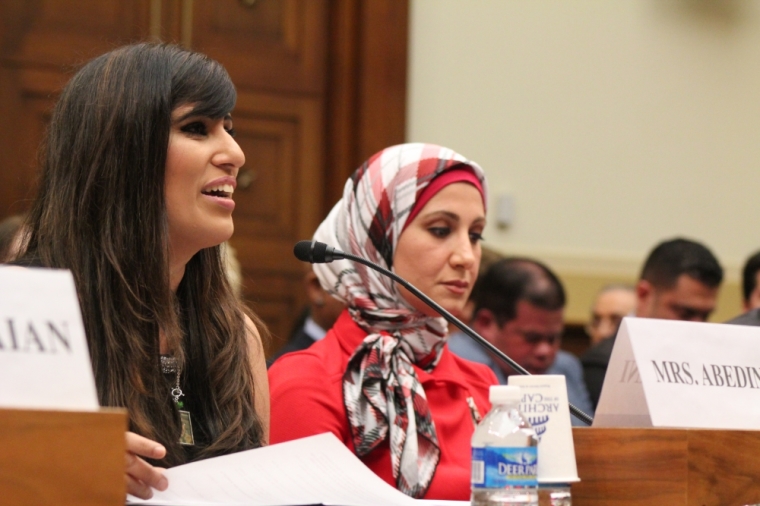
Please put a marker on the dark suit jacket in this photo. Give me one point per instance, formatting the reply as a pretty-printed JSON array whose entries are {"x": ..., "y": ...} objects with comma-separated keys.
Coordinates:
[
  {"x": 751, "y": 317},
  {"x": 595, "y": 362}
]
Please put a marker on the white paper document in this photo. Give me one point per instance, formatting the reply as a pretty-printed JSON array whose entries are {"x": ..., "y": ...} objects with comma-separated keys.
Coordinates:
[
  {"x": 313, "y": 470},
  {"x": 44, "y": 360}
]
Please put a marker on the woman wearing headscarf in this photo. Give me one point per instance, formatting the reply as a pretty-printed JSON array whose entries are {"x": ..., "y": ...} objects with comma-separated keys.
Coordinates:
[{"x": 383, "y": 380}]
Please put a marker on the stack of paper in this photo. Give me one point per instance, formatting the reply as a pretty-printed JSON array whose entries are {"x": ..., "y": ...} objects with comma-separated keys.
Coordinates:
[{"x": 313, "y": 470}]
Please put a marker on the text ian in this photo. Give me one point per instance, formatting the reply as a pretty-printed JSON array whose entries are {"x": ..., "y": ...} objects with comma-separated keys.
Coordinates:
[{"x": 34, "y": 337}]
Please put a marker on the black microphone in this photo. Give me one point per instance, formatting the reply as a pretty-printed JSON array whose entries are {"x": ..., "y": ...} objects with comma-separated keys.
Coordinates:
[{"x": 316, "y": 252}]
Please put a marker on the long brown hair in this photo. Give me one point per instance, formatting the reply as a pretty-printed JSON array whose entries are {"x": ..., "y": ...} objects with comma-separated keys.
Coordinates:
[{"x": 101, "y": 213}]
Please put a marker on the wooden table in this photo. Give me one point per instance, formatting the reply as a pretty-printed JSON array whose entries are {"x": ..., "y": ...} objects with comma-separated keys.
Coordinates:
[
  {"x": 669, "y": 467},
  {"x": 62, "y": 457}
]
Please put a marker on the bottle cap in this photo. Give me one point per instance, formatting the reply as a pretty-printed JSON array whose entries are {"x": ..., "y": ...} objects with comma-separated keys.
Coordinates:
[{"x": 500, "y": 394}]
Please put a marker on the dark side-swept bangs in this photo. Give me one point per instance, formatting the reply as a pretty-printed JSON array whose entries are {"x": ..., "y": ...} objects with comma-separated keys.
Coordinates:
[{"x": 199, "y": 80}]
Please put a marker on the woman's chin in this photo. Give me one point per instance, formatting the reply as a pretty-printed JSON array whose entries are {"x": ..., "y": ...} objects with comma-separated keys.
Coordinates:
[
  {"x": 454, "y": 305},
  {"x": 455, "y": 309},
  {"x": 217, "y": 235}
]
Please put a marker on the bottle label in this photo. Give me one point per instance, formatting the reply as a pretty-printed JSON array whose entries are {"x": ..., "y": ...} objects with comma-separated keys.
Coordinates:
[{"x": 498, "y": 467}]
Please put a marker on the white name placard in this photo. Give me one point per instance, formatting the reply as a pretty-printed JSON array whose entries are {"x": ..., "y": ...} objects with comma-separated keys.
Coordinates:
[
  {"x": 44, "y": 360},
  {"x": 666, "y": 373}
]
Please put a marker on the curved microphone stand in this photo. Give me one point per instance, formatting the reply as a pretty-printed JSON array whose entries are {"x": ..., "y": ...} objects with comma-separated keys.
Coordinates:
[{"x": 319, "y": 252}]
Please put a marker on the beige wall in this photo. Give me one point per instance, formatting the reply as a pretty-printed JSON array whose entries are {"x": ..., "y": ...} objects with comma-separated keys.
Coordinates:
[{"x": 613, "y": 124}]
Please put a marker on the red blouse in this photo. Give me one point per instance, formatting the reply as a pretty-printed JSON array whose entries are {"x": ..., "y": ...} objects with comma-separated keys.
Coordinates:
[{"x": 306, "y": 389}]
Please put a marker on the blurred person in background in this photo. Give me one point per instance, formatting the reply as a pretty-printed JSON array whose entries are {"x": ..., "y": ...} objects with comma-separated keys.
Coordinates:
[
  {"x": 519, "y": 308},
  {"x": 679, "y": 281},
  {"x": 487, "y": 259},
  {"x": 613, "y": 302},
  {"x": 320, "y": 315},
  {"x": 750, "y": 293}
]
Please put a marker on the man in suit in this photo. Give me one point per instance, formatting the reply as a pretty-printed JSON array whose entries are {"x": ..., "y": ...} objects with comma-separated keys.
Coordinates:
[
  {"x": 750, "y": 292},
  {"x": 320, "y": 315},
  {"x": 519, "y": 308},
  {"x": 679, "y": 281}
]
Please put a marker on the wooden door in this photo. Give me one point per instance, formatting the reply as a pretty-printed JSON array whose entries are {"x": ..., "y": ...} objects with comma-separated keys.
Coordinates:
[
  {"x": 276, "y": 54},
  {"x": 321, "y": 86},
  {"x": 41, "y": 43}
]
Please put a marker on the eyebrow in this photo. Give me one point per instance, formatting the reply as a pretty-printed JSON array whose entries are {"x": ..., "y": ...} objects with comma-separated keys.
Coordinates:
[
  {"x": 191, "y": 113},
  {"x": 450, "y": 215}
]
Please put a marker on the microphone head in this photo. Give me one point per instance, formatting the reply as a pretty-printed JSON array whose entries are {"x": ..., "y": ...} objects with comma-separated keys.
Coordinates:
[
  {"x": 302, "y": 251},
  {"x": 312, "y": 251}
]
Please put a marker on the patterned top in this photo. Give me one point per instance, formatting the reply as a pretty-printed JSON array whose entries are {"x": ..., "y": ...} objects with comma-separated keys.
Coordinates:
[{"x": 307, "y": 399}]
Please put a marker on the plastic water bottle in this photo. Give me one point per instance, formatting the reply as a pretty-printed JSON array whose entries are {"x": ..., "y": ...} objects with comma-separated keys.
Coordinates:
[
  {"x": 554, "y": 494},
  {"x": 504, "y": 454}
]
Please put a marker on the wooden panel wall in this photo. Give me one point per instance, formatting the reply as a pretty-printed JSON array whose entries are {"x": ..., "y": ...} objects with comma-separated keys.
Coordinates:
[{"x": 41, "y": 43}]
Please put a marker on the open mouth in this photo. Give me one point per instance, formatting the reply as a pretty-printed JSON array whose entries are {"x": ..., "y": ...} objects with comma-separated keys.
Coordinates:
[{"x": 223, "y": 191}]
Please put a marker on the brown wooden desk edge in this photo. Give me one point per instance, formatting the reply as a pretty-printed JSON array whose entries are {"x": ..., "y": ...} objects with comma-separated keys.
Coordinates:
[
  {"x": 62, "y": 457},
  {"x": 667, "y": 466}
]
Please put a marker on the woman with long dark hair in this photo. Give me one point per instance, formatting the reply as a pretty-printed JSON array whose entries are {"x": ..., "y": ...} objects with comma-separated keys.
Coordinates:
[
  {"x": 382, "y": 379},
  {"x": 135, "y": 197}
]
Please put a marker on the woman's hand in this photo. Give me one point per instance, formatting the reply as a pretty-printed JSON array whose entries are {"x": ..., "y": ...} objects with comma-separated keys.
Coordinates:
[{"x": 142, "y": 477}]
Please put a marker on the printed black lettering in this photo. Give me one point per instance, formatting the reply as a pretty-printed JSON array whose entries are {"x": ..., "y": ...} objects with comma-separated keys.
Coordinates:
[
  {"x": 741, "y": 377},
  {"x": 685, "y": 369},
  {"x": 729, "y": 376},
  {"x": 676, "y": 370},
  {"x": 719, "y": 381},
  {"x": 32, "y": 338},
  {"x": 753, "y": 373},
  {"x": 61, "y": 335},
  {"x": 12, "y": 334},
  {"x": 630, "y": 373},
  {"x": 706, "y": 380},
  {"x": 660, "y": 375},
  {"x": 625, "y": 371}
]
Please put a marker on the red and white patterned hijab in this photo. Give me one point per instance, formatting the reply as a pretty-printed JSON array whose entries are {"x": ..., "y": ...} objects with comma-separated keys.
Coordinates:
[{"x": 381, "y": 392}]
